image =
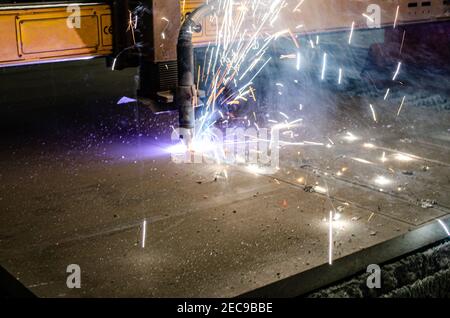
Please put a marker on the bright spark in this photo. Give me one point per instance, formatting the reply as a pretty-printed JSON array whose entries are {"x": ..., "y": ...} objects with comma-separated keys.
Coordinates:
[
  {"x": 374, "y": 115},
  {"x": 330, "y": 239},
  {"x": 401, "y": 106},
  {"x": 396, "y": 16},
  {"x": 351, "y": 33},
  {"x": 397, "y": 71},
  {"x": 444, "y": 226},
  {"x": 324, "y": 66},
  {"x": 144, "y": 233}
]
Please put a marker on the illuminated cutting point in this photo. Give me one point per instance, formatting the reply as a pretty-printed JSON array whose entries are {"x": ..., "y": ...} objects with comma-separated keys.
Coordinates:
[
  {"x": 178, "y": 149},
  {"x": 198, "y": 148}
]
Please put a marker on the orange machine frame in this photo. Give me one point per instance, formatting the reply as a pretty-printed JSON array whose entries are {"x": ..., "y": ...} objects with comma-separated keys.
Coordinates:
[
  {"x": 39, "y": 33},
  {"x": 35, "y": 34}
]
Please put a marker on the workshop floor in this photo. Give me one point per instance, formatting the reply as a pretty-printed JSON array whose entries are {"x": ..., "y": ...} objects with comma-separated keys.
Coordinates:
[{"x": 78, "y": 192}]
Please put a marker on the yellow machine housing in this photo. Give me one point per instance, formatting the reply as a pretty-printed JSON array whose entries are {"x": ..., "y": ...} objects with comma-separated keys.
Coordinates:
[{"x": 35, "y": 34}]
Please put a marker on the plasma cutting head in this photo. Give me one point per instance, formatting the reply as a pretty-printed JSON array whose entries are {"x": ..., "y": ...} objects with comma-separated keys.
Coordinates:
[
  {"x": 186, "y": 92},
  {"x": 185, "y": 96}
]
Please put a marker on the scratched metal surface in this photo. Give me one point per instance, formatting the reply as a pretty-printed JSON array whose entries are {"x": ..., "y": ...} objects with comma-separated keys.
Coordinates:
[{"x": 77, "y": 190}]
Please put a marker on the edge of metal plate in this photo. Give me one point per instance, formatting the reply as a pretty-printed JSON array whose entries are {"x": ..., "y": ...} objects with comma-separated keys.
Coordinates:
[{"x": 348, "y": 266}]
